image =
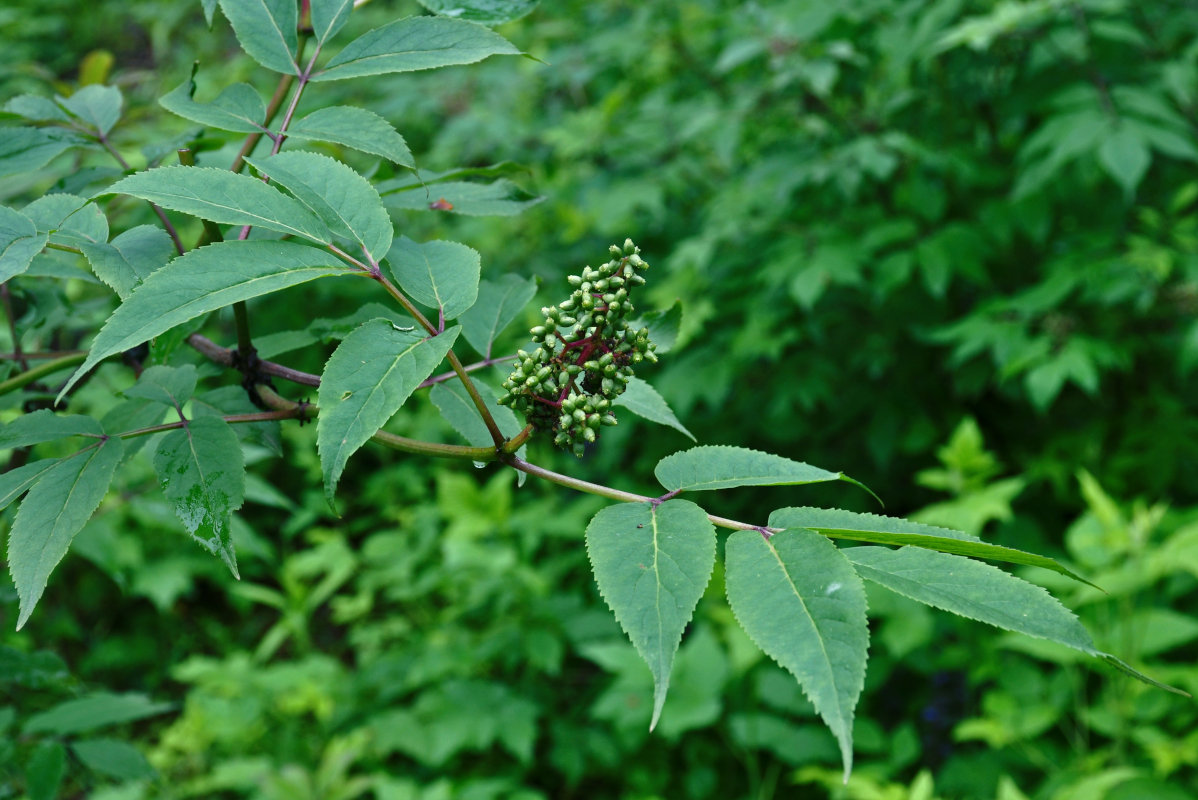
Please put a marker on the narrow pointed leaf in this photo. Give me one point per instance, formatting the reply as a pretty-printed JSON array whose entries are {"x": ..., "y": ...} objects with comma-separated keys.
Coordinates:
[
  {"x": 45, "y": 426},
  {"x": 369, "y": 376},
  {"x": 266, "y": 30},
  {"x": 223, "y": 196},
  {"x": 112, "y": 757},
  {"x": 652, "y": 565},
  {"x": 204, "y": 280},
  {"x": 501, "y": 198},
  {"x": 486, "y": 12},
  {"x": 454, "y": 403},
  {"x": 357, "y": 128},
  {"x": 19, "y": 242},
  {"x": 721, "y": 467},
  {"x": 93, "y": 711},
  {"x": 339, "y": 196},
  {"x": 238, "y": 108},
  {"x": 443, "y": 275},
  {"x": 202, "y": 471},
  {"x": 172, "y": 386},
  {"x": 643, "y": 400},
  {"x": 16, "y": 482},
  {"x": 328, "y": 16},
  {"x": 838, "y": 524},
  {"x": 57, "y": 506},
  {"x": 801, "y": 602},
  {"x": 99, "y": 106},
  {"x": 499, "y": 302},
  {"x": 415, "y": 43}
]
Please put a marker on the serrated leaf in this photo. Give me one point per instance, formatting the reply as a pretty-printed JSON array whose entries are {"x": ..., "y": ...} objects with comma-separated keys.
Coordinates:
[
  {"x": 643, "y": 400},
  {"x": 57, "y": 506},
  {"x": 1125, "y": 156},
  {"x": 838, "y": 524},
  {"x": 130, "y": 257},
  {"x": 339, "y": 196},
  {"x": 204, "y": 280},
  {"x": 442, "y": 275},
  {"x": 485, "y": 12},
  {"x": 27, "y": 149},
  {"x": 238, "y": 108},
  {"x": 357, "y": 128},
  {"x": 266, "y": 30},
  {"x": 499, "y": 302},
  {"x": 95, "y": 711},
  {"x": 652, "y": 564},
  {"x": 171, "y": 386},
  {"x": 202, "y": 471},
  {"x": 68, "y": 219},
  {"x": 415, "y": 43},
  {"x": 801, "y": 602},
  {"x": 454, "y": 403},
  {"x": 501, "y": 198},
  {"x": 112, "y": 757},
  {"x": 16, "y": 482},
  {"x": 710, "y": 467},
  {"x": 19, "y": 242},
  {"x": 45, "y": 426},
  {"x": 369, "y": 376},
  {"x": 96, "y": 105},
  {"x": 222, "y": 196},
  {"x": 328, "y": 16}
]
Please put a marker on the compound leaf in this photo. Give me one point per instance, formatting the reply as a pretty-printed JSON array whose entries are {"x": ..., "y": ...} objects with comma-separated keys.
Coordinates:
[
  {"x": 643, "y": 400},
  {"x": 96, "y": 105},
  {"x": 443, "y": 275},
  {"x": 45, "y": 426},
  {"x": 800, "y": 600},
  {"x": 499, "y": 302},
  {"x": 357, "y": 128},
  {"x": 266, "y": 30},
  {"x": 720, "y": 467}
]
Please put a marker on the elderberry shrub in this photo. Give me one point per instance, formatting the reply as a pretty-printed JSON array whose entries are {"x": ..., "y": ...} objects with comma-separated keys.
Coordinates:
[{"x": 585, "y": 355}]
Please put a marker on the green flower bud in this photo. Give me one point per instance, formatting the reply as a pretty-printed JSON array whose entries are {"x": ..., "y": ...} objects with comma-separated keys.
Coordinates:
[{"x": 589, "y": 434}]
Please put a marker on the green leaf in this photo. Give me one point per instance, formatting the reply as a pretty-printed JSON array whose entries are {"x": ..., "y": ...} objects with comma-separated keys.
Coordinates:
[
  {"x": 96, "y": 105},
  {"x": 266, "y": 30},
  {"x": 369, "y": 376},
  {"x": 485, "y": 12},
  {"x": 57, "y": 506},
  {"x": 238, "y": 108},
  {"x": 343, "y": 199},
  {"x": 442, "y": 275},
  {"x": 202, "y": 471},
  {"x": 94, "y": 711},
  {"x": 45, "y": 426},
  {"x": 357, "y": 128},
  {"x": 37, "y": 108},
  {"x": 112, "y": 757},
  {"x": 502, "y": 198},
  {"x": 328, "y": 16},
  {"x": 499, "y": 302},
  {"x": 838, "y": 524},
  {"x": 16, "y": 482},
  {"x": 69, "y": 219},
  {"x": 643, "y": 400},
  {"x": 710, "y": 467},
  {"x": 1125, "y": 156},
  {"x": 130, "y": 257},
  {"x": 27, "y": 149},
  {"x": 209, "y": 11},
  {"x": 663, "y": 326},
  {"x": 415, "y": 43},
  {"x": 172, "y": 386},
  {"x": 45, "y": 770},
  {"x": 652, "y": 563},
  {"x": 800, "y": 600},
  {"x": 19, "y": 242},
  {"x": 204, "y": 280},
  {"x": 222, "y": 196},
  {"x": 454, "y": 402}
]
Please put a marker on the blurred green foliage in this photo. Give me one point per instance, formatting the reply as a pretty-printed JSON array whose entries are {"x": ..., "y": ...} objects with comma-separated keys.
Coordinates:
[{"x": 949, "y": 247}]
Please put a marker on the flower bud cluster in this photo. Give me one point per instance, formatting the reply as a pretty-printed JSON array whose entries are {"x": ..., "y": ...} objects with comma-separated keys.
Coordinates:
[{"x": 585, "y": 354}]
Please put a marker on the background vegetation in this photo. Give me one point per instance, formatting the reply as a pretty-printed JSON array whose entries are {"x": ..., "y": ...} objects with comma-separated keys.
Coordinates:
[{"x": 948, "y": 247}]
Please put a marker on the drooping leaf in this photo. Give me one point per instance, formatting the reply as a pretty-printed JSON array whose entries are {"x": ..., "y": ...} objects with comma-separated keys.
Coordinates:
[
  {"x": 454, "y": 403},
  {"x": 98, "y": 710},
  {"x": 343, "y": 199},
  {"x": 415, "y": 43},
  {"x": 16, "y": 482},
  {"x": 720, "y": 467},
  {"x": 112, "y": 757},
  {"x": 171, "y": 386},
  {"x": 501, "y": 198},
  {"x": 202, "y": 471},
  {"x": 204, "y": 280},
  {"x": 328, "y": 16},
  {"x": 238, "y": 108},
  {"x": 357, "y": 128},
  {"x": 222, "y": 196},
  {"x": 652, "y": 564},
  {"x": 838, "y": 524},
  {"x": 19, "y": 242},
  {"x": 56, "y": 507},
  {"x": 266, "y": 30},
  {"x": 485, "y": 12},
  {"x": 369, "y": 376},
  {"x": 499, "y": 302},
  {"x": 800, "y": 600},
  {"x": 96, "y": 105},
  {"x": 1125, "y": 156},
  {"x": 443, "y": 275},
  {"x": 27, "y": 149},
  {"x": 643, "y": 400},
  {"x": 44, "y": 425},
  {"x": 130, "y": 257}
]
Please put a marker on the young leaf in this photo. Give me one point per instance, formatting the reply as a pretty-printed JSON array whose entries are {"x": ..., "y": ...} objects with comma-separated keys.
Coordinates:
[
  {"x": 643, "y": 400},
  {"x": 800, "y": 600},
  {"x": 222, "y": 196},
  {"x": 501, "y": 198},
  {"x": 96, "y": 105},
  {"x": 266, "y": 30},
  {"x": 652, "y": 563},
  {"x": 498, "y": 303},
  {"x": 44, "y": 425},
  {"x": 52, "y": 513},
  {"x": 443, "y": 275},
  {"x": 720, "y": 467},
  {"x": 357, "y": 128},
  {"x": 343, "y": 199},
  {"x": 204, "y": 280},
  {"x": 838, "y": 524},
  {"x": 171, "y": 386},
  {"x": 27, "y": 149},
  {"x": 201, "y": 469},
  {"x": 369, "y": 376},
  {"x": 129, "y": 258},
  {"x": 19, "y": 242},
  {"x": 485, "y": 12},
  {"x": 328, "y": 16},
  {"x": 415, "y": 43},
  {"x": 238, "y": 108}
]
